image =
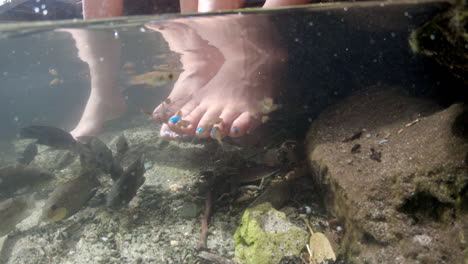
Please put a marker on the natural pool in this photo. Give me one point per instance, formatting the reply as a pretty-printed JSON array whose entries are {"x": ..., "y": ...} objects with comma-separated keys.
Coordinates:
[{"x": 344, "y": 123}]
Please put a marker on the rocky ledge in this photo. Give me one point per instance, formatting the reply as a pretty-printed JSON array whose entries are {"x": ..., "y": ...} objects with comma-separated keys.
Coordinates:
[{"x": 394, "y": 171}]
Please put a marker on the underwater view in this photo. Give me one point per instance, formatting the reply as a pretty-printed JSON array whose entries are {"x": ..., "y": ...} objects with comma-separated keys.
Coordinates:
[{"x": 332, "y": 132}]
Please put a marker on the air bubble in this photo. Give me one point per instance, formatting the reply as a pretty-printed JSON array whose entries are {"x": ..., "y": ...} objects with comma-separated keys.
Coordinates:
[
  {"x": 116, "y": 34},
  {"x": 432, "y": 37},
  {"x": 45, "y": 12},
  {"x": 345, "y": 9},
  {"x": 43, "y": 6},
  {"x": 142, "y": 29},
  {"x": 36, "y": 9},
  {"x": 101, "y": 59}
]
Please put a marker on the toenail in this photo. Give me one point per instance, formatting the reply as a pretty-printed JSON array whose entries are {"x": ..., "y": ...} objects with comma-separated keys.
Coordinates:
[
  {"x": 176, "y": 135},
  {"x": 199, "y": 130},
  {"x": 167, "y": 132},
  {"x": 212, "y": 131},
  {"x": 235, "y": 130},
  {"x": 168, "y": 110},
  {"x": 185, "y": 135},
  {"x": 175, "y": 119}
]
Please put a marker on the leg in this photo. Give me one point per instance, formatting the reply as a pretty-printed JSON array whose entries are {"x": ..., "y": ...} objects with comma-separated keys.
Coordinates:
[{"x": 101, "y": 51}]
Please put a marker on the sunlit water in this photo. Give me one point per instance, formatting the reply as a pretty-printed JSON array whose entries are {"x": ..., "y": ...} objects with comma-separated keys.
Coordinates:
[{"x": 332, "y": 50}]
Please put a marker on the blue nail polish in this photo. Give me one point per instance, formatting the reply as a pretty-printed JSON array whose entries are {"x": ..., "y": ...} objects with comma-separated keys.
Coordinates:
[
  {"x": 212, "y": 131},
  {"x": 175, "y": 119},
  {"x": 199, "y": 130},
  {"x": 176, "y": 135},
  {"x": 235, "y": 129},
  {"x": 168, "y": 110},
  {"x": 185, "y": 135},
  {"x": 155, "y": 113},
  {"x": 167, "y": 132}
]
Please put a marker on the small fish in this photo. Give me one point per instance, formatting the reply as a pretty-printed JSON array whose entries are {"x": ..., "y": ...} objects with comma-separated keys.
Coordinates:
[
  {"x": 354, "y": 136},
  {"x": 154, "y": 79},
  {"x": 121, "y": 145},
  {"x": 55, "y": 82},
  {"x": 126, "y": 187},
  {"x": 375, "y": 155},
  {"x": 28, "y": 154},
  {"x": 216, "y": 133},
  {"x": 183, "y": 123},
  {"x": 53, "y": 71},
  {"x": 95, "y": 154},
  {"x": 148, "y": 113},
  {"x": 17, "y": 177},
  {"x": 214, "y": 121},
  {"x": 356, "y": 148},
  {"x": 70, "y": 196},
  {"x": 267, "y": 106},
  {"x": 50, "y": 136},
  {"x": 13, "y": 211}
]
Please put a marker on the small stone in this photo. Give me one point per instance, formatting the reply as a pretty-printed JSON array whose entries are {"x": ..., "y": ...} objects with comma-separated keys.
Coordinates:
[
  {"x": 174, "y": 243},
  {"x": 424, "y": 240}
]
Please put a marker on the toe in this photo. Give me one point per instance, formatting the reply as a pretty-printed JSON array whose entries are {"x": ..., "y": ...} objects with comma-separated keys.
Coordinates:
[
  {"x": 192, "y": 119},
  {"x": 228, "y": 116},
  {"x": 180, "y": 122},
  {"x": 243, "y": 124},
  {"x": 206, "y": 122},
  {"x": 165, "y": 132}
]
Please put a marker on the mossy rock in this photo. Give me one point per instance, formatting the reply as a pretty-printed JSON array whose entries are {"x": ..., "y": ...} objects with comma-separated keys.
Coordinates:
[{"x": 265, "y": 236}]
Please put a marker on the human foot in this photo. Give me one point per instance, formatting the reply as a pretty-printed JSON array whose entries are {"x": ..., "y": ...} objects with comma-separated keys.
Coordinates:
[{"x": 224, "y": 103}]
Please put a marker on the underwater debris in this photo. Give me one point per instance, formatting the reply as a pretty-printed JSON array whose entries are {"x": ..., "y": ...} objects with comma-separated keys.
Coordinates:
[
  {"x": 356, "y": 148},
  {"x": 214, "y": 258},
  {"x": 28, "y": 154},
  {"x": 375, "y": 155},
  {"x": 16, "y": 177},
  {"x": 13, "y": 211},
  {"x": 217, "y": 135},
  {"x": 204, "y": 220},
  {"x": 126, "y": 187},
  {"x": 70, "y": 196},
  {"x": 354, "y": 136},
  {"x": 50, "y": 136},
  {"x": 412, "y": 122}
]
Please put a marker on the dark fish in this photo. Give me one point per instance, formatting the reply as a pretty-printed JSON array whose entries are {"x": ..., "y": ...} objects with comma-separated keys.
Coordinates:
[
  {"x": 375, "y": 155},
  {"x": 95, "y": 154},
  {"x": 13, "y": 211},
  {"x": 50, "y": 136},
  {"x": 70, "y": 196},
  {"x": 121, "y": 145},
  {"x": 354, "y": 136},
  {"x": 356, "y": 148},
  {"x": 28, "y": 154},
  {"x": 126, "y": 187},
  {"x": 16, "y": 177}
]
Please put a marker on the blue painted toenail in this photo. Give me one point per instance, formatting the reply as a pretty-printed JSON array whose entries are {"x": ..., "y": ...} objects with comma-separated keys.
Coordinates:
[
  {"x": 176, "y": 135},
  {"x": 199, "y": 130},
  {"x": 174, "y": 119},
  {"x": 167, "y": 132},
  {"x": 168, "y": 110},
  {"x": 235, "y": 129},
  {"x": 212, "y": 131}
]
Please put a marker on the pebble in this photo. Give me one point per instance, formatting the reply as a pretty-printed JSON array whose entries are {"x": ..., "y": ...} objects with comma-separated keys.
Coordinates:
[
  {"x": 424, "y": 240},
  {"x": 383, "y": 141},
  {"x": 174, "y": 243}
]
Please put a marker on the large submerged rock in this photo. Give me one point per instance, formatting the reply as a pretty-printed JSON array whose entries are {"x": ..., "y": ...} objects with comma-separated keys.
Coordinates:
[{"x": 402, "y": 194}]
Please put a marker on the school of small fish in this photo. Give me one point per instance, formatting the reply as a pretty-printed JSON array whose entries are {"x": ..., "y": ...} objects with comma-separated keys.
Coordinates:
[{"x": 19, "y": 181}]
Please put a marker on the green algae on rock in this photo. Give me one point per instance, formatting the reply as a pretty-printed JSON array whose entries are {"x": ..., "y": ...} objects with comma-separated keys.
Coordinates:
[{"x": 265, "y": 236}]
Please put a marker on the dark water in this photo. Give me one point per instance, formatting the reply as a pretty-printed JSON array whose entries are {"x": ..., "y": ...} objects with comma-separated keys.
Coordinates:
[
  {"x": 332, "y": 50},
  {"x": 305, "y": 59}
]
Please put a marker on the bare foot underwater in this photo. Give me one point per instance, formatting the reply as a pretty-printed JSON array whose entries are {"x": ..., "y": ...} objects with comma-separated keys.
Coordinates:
[
  {"x": 229, "y": 68},
  {"x": 231, "y": 63}
]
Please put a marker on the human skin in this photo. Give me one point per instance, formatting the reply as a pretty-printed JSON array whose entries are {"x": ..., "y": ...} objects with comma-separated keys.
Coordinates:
[{"x": 202, "y": 80}]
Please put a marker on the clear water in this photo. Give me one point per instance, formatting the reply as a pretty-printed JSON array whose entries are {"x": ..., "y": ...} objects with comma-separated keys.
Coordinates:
[{"x": 303, "y": 58}]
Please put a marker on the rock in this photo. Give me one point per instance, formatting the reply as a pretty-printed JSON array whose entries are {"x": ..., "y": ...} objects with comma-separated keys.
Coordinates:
[
  {"x": 265, "y": 236},
  {"x": 419, "y": 186}
]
